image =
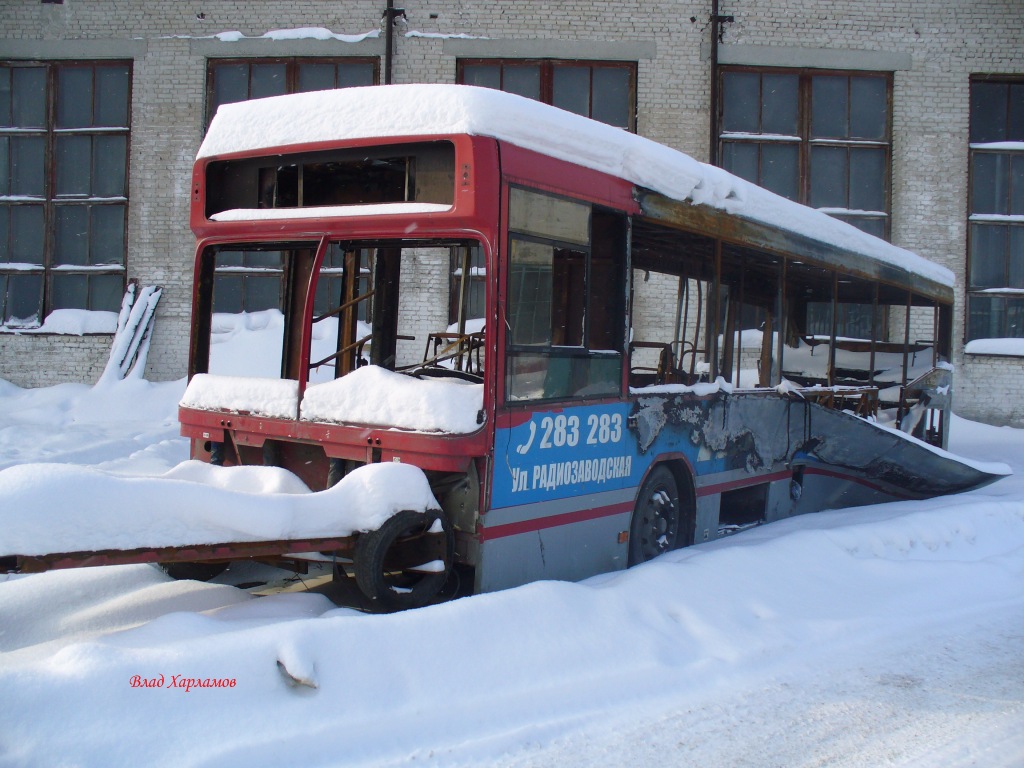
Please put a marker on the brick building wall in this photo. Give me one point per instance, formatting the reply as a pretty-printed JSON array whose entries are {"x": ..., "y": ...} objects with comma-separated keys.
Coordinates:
[{"x": 932, "y": 47}]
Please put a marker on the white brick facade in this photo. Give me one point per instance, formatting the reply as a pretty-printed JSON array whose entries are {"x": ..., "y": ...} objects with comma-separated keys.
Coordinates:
[{"x": 932, "y": 47}]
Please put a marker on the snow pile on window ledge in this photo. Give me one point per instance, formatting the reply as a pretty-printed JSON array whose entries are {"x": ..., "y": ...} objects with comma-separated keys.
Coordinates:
[
  {"x": 440, "y": 110},
  {"x": 374, "y": 395},
  {"x": 52, "y": 508},
  {"x": 73, "y": 322},
  {"x": 300, "y": 33},
  {"x": 1005, "y": 347}
]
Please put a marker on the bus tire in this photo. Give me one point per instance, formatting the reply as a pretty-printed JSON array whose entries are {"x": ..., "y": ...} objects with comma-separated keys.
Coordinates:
[
  {"x": 654, "y": 527},
  {"x": 390, "y": 587}
]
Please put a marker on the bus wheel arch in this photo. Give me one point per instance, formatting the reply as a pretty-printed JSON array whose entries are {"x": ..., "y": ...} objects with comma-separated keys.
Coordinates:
[
  {"x": 663, "y": 513},
  {"x": 382, "y": 559}
]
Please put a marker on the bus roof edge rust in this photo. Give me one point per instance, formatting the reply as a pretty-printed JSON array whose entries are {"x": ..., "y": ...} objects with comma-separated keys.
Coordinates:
[{"x": 379, "y": 112}]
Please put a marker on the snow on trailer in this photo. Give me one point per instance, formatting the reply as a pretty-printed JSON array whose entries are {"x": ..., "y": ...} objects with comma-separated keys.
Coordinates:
[{"x": 462, "y": 283}]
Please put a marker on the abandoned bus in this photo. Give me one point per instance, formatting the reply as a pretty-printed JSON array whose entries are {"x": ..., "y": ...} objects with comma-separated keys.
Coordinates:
[{"x": 596, "y": 348}]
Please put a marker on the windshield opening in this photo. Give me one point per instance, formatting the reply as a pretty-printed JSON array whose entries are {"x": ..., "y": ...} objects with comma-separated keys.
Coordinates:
[{"x": 412, "y": 310}]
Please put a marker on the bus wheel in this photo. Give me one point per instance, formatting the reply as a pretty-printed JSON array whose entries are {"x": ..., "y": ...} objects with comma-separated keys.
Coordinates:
[
  {"x": 654, "y": 528},
  {"x": 405, "y": 562}
]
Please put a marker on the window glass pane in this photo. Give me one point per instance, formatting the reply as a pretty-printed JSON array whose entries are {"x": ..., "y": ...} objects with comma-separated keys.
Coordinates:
[
  {"x": 5, "y": 166},
  {"x": 28, "y": 97},
  {"x": 828, "y": 177},
  {"x": 112, "y": 96},
  {"x": 109, "y": 165},
  {"x": 272, "y": 259},
  {"x": 316, "y": 77},
  {"x": 227, "y": 294},
  {"x": 868, "y": 107},
  {"x": 740, "y": 102},
  {"x": 268, "y": 80},
  {"x": 71, "y": 240},
  {"x": 867, "y": 179},
  {"x": 105, "y": 292},
  {"x": 73, "y": 160},
  {"x": 262, "y": 292},
  {"x": 1016, "y": 257},
  {"x": 988, "y": 256},
  {"x": 1015, "y": 130},
  {"x": 530, "y": 283},
  {"x": 229, "y": 259},
  {"x": 70, "y": 291},
  {"x": 779, "y": 102},
  {"x": 522, "y": 80},
  {"x": 230, "y": 84},
  {"x": 611, "y": 98},
  {"x": 989, "y": 172},
  {"x": 740, "y": 158},
  {"x": 27, "y": 164},
  {"x": 355, "y": 74},
  {"x": 779, "y": 163},
  {"x": 483, "y": 75},
  {"x": 24, "y": 300},
  {"x": 828, "y": 107},
  {"x": 873, "y": 226},
  {"x": 6, "y": 73},
  {"x": 988, "y": 112},
  {"x": 571, "y": 89},
  {"x": 546, "y": 216},
  {"x": 5, "y": 233},
  {"x": 106, "y": 235},
  {"x": 328, "y": 289},
  {"x": 985, "y": 314},
  {"x": 74, "y": 97},
  {"x": 1017, "y": 185},
  {"x": 27, "y": 234},
  {"x": 1014, "y": 327}
]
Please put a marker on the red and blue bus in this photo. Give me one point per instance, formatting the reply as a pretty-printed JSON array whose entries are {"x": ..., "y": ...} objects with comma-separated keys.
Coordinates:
[{"x": 595, "y": 348}]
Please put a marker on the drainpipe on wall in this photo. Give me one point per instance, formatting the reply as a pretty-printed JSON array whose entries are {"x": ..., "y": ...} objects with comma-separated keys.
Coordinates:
[
  {"x": 390, "y": 14},
  {"x": 716, "y": 34}
]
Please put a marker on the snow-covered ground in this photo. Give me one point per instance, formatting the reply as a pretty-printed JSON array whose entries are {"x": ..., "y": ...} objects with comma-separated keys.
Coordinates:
[{"x": 886, "y": 635}]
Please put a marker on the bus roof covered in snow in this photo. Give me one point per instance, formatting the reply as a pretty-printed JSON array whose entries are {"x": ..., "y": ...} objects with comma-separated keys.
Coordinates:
[{"x": 673, "y": 188}]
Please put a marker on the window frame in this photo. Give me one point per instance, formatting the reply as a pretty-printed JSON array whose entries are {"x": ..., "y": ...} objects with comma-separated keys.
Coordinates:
[
  {"x": 588, "y": 352},
  {"x": 52, "y": 200},
  {"x": 978, "y": 221},
  {"x": 292, "y": 65},
  {"x": 806, "y": 143},
  {"x": 547, "y": 67}
]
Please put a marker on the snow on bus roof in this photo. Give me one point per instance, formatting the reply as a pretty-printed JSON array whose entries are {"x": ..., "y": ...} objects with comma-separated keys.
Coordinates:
[{"x": 436, "y": 110}]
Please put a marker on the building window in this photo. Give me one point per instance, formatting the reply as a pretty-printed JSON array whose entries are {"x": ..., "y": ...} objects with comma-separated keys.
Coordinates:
[
  {"x": 64, "y": 131},
  {"x": 231, "y": 80},
  {"x": 820, "y": 138},
  {"x": 604, "y": 91},
  {"x": 996, "y": 232}
]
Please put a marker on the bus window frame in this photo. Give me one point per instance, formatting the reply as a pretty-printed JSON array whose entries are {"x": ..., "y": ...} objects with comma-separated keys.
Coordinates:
[{"x": 508, "y": 351}]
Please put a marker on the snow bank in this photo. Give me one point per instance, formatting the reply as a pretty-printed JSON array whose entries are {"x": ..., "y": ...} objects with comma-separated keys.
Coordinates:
[
  {"x": 374, "y": 395},
  {"x": 50, "y": 508},
  {"x": 437, "y": 110}
]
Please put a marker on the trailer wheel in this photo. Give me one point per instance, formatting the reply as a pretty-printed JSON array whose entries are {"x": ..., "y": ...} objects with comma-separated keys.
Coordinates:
[
  {"x": 654, "y": 528},
  {"x": 405, "y": 563}
]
